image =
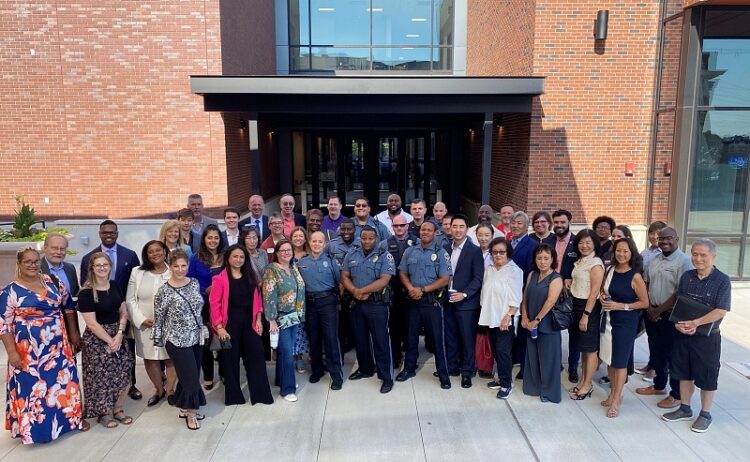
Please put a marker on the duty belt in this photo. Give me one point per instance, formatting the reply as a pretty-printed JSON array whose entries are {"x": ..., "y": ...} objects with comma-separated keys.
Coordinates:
[{"x": 322, "y": 294}]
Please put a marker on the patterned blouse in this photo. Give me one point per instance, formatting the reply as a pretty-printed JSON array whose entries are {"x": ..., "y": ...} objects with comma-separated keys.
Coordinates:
[
  {"x": 283, "y": 296},
  {"x": 177, "y": 315}
]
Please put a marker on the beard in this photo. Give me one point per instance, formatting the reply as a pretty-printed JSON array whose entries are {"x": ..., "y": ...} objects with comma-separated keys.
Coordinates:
[{"x": 561, "y": 231}]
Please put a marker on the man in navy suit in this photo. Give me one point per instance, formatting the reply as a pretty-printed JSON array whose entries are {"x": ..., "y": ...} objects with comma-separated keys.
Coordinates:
[
  {"x": 523, "y": 250},
  {"x": 462, "y": 307},
  {"x": 123, "y": 262},
  {"x": 257, "y": 205}
]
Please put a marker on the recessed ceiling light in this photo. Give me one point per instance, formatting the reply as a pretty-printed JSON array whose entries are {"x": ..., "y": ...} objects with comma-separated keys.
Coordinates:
[
  {"x": 375, "y": 10},
  {"x": 326, "y": 9},
  {"x": 412, "y": 35},
  {"x": 418, "y": 19}
]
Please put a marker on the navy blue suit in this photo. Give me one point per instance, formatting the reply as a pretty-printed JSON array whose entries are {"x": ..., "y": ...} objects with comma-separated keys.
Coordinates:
[
  {"x": 461, "y": 318},
  {"x": 250, "y": 221},
  {"x": 126, "y": 261}
]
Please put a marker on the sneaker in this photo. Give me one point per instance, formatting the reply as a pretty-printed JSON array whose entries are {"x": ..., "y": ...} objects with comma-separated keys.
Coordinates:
[
  {"x": 494, "y": 385},
  {"x": 504, "y": 393},
  {"x": 668, "y": 403},
  {"x": 701, "y": 424},
  {"x": 677, "y": 415},
  {"x": 291, "y": 397},
  {"x": 649, "y": 376},
  {"x": 642, "y": 370}
]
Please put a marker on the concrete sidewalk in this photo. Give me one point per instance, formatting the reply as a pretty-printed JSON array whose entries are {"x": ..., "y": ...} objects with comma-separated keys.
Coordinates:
[{"x": 418, "y": 421}]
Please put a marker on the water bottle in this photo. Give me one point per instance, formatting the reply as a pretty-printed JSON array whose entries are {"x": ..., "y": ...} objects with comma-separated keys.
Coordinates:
[
  {"x": 274, "y": 337},
  {"x": 534, "y": 333}
]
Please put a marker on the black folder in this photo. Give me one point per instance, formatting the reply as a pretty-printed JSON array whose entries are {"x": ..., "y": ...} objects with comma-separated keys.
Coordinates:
[{"x": 687, "y": 309}]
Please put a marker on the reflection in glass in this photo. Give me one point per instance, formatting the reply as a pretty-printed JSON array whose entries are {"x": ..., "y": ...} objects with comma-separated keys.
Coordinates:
[
  {"x": 442, "y": 59},
  {"x": 720, "y": 172},
  {"x": 340, "y": 59},
  {"x": 725, "y": 71},
  {"x": 300, "y": 58},
  {"x": 354, "y": 161},
  {"x": 299, "y": 22},
  {"x": 401, "y": 59},
  {"x": 387, "y": 168},
  {"x": 398, "y": 22},
  {"x": 327, "y": 167},
  {"x": 414, "y": 157},
  {"x": 337, "y": 22},
  {"x": 443, "y": 22},
  {"x": 727, "y": 254}
]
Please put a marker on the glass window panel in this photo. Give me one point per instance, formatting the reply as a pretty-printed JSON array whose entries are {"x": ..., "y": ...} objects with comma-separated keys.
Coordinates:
[
  {"x": 340, "y": 22},
  {"x": 299, "y": 22},
  {"x": 720, "y": 172},
  {"x": 726, "y": 59},
  {"x": 442, "y": 59},
  {"x": 727, "y": 253},
  {"x": 327, "y": 167},
  {"x": 398, "y": 22},
  {"x": 443, "y": 22},
  {"x": 300, "y": 58},
  {"x": 341, "y": 59},
  {"x": 401, "y": 59}
]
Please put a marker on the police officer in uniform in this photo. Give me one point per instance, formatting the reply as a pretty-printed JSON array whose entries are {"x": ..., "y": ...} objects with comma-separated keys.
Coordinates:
[
  {"x": 424, "y": 271},
  {"x": 396, "y": 245},
  {"x": 337, "y": 249},
  {"x": 322, "y": 275},
  {"x": 366, "y": 273}
]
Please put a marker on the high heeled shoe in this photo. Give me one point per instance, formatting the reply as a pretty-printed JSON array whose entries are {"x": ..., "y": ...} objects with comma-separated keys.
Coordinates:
[{"x": 582, "y": 396}]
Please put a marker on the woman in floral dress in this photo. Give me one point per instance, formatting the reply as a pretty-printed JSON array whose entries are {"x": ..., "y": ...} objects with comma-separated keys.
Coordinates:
[{"x": 43, "y": 392}]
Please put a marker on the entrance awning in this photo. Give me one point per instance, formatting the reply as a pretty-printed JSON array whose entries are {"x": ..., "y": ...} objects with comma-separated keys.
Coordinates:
[
  {"x": 358, "y": 99},
  {"x": 367, "y": 94}
]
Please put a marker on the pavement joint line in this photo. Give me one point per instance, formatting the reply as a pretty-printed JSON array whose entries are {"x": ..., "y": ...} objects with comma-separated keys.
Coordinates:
[
  {"x": 323, "y": 422},
  {"x": 523, "y": 432},
  {"x": 419, "y": 421},
  {"x": 218, "y": 441}
]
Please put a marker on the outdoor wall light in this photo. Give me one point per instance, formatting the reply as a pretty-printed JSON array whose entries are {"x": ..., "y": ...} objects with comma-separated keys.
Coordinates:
[
  {"x": 243, "y": 124},
  {"x": 668, "y": 168},
  {"x": 629, "y": 168},
  {"x": 600, "y": 25}
]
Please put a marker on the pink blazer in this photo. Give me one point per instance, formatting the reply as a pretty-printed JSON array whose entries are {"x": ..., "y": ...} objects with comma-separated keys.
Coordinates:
[{"x": 219, "y": 300}]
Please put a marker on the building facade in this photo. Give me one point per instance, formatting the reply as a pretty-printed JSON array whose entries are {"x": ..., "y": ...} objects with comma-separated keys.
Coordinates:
[{"x": 124, "y": 108}]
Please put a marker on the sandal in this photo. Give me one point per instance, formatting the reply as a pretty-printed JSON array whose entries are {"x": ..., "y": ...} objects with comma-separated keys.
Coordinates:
[
  {"x": 578, "y": 396},
  {"x": 573, "y": 391},
  {"x": 192, "y": 422},
  {"x": 120, "y": 416},
  {"x": 184, "y": 415},
  {"x": 107, "y": 421},
  {"x": 85, "y": 426}
]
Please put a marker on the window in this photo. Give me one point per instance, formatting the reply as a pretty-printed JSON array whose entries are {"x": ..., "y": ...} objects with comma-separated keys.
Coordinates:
[{"x": 371, "y": 35}]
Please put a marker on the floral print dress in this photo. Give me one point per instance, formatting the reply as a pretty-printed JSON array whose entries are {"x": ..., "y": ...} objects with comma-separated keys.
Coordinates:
[{"x": 44, "y": 397}]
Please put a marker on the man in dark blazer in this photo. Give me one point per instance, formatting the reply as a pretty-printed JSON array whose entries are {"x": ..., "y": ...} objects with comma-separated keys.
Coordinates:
[
  {"x": 256, "y": 205},
  {"x": 462, "y": 301},
  {"x": 123, "y": 262},
  {"x": 567, "y": 253},
  {"x": 523, "y": 251}
]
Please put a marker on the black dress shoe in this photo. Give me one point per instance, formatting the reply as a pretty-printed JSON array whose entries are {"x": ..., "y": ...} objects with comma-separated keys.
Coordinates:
[
  {"x": 452, "y": 374},
  {"x": 404, "y": 375},
  {"x": 315, "y": 378},
  {"x": 573, "y": 376},
  {"x": 336, "y": 384},
  {"x": 359, "y": 375},
  {"x": 445, "y": 383},
  {"x": 134, "y": 393},
  {"x": 170, "y": 399},
  {"x": 386, "y": 387},
  {"x": 519, "y": 376},
  {"x": 466, "y": 382}
]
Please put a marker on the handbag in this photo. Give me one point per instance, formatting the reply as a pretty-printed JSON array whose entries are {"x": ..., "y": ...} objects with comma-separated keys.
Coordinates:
[
  {"x": 562, "y": 312},
  {"x": 483, "y": 353},
  {"x": 218, "y": 344}
]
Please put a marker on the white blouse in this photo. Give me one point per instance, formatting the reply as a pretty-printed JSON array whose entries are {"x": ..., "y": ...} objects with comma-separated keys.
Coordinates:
[
  {"x": 501, "y": 289},
  {"x": 581, "y": 287}
]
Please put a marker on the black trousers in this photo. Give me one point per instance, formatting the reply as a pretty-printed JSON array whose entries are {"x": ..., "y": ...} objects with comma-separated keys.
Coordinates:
[
  {"x": 322, "y": 318},
  {"x": 501, "y": 343},
  {"x": 660, "y": 340},
  {"x": 248, "y": 346},
  {"x": 397, "y": 325},
  {"x": 430, "y": 315},
  {"x": 460, "y": 339},
  {"x": 346, "y": 324},
  {"x": 188, "y": 394},
  {"x": 371, "y": 339},
  {"x": 131, "y": 344}
]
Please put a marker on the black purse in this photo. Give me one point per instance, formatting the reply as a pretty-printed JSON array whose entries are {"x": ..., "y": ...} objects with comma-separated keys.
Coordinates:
[{"x": 562, "y": 312}]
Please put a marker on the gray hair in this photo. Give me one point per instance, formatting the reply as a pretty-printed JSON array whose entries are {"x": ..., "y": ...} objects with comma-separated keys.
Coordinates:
[
  {"x": 706, "y": 242},
  {"x": 520, "y": 214},
  {"x": 50, "y": 236}
]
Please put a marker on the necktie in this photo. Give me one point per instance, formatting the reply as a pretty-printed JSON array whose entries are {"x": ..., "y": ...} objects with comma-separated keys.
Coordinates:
[
  {"x": 514, "y": 243},
  {"x": 111, "y": 254}
]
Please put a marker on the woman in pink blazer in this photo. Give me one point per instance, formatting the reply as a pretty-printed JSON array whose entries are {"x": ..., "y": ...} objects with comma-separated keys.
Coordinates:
[{"x": 236, "y": 307}]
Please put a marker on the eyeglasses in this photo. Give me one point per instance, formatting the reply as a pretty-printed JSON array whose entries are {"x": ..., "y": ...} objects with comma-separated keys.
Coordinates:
[
  {"x": 31, "y": 263},
  {"x": 102, "y": 265},
  {"x": 360, "y": 206},
  {"x": 540, "y": 222},
  {"x": 499, "y": 252},
  {"x": 400, "y": 226},
  {"x": 285, "y": 250},
  {"x": 276, "y": 223}
]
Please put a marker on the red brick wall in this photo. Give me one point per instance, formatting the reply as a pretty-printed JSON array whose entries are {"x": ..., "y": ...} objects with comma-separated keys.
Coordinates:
[
  {"x": 510, "y": 162},
  {"x": 596, "y": 112},
  {"x": 100, "y": 119},
  {"x": 500, "y": 37}
]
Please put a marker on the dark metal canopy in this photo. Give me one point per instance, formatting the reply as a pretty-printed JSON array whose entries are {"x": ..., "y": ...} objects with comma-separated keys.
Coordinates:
[{"x": 366, "y": 94}]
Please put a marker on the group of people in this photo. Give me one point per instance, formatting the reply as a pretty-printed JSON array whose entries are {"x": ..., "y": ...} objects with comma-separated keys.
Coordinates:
[{"x": 322, "y": 284}]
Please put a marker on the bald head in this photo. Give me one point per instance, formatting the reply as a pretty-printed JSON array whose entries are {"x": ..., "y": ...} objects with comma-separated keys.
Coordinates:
[
  {"x": 400, "y": 226},
  {"x": 485, "y": 214},
  {"x": 439, "y": 210}
]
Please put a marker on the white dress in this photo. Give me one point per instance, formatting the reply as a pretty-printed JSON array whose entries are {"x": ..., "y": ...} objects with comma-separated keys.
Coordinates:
[
  {"x": 140, "y": 300},
  {"x": 500, "y": 290}
]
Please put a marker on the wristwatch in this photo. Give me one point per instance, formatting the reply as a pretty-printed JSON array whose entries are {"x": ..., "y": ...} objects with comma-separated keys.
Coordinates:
[
  {"x": 537, "y": 320},
  {"x": 626, "y": 307},
  {"x": 587, "y": 313},
  {"x": 465, "y": 294}
]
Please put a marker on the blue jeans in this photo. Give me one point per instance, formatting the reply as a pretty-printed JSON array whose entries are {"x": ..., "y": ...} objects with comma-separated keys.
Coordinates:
[{"x": 285, "y": 360}]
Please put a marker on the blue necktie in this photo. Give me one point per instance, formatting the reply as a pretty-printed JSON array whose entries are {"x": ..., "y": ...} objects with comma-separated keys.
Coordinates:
[{"x": 112, "y": 256}]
